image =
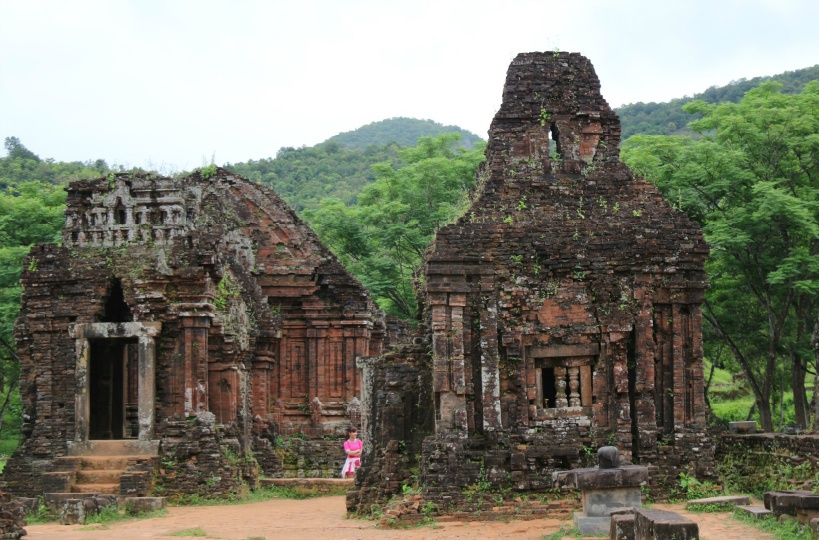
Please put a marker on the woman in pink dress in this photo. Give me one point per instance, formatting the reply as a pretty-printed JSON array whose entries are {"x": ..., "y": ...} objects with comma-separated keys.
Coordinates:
[{"x": 352, "y": 447}]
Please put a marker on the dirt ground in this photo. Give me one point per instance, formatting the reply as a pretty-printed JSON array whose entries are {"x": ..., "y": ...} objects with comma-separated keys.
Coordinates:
[{"x": 323, "y": 519}]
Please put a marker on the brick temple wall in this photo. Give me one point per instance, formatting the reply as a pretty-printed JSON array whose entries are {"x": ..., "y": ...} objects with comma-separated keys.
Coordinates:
[
  {"x": 563, "y": 308},
  {"x": 256, "y": 321}
]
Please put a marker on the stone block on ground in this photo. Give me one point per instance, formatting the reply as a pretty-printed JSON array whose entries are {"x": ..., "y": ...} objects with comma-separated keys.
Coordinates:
[
  {"x": 76, "y": 510},
  {"x": 654, "y": 524},
  {"x": 72, "y": 512},
  {"x": 755, "y": 511},
  {"x": 742, "y": 427},
  {"x": 788, "y": 501},
  {"x": 814, "y": 527},
  {"x": 142, "y": 505},
  {"x": 622, "y": 526},
  {"x": 55, "y": 501}
]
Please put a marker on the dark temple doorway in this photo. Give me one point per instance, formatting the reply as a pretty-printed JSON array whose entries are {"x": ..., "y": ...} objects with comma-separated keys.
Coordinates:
[{"x": 113, "y": 389}]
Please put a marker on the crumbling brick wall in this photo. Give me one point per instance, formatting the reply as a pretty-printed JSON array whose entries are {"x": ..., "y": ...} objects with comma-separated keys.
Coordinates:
[
  {"x": 214, "y": 286},
  {"x": 563, "y": 308},
  {"x": 398, "y": 414},
  {"x": 769, "y": 461}
]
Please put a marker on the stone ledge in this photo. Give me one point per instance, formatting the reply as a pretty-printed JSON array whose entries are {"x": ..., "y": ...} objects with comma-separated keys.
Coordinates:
[
  {"x": 308, "y": 482},
  {"x": 755, "y": 511},
  {"x": 594, "y": 478},
  {"x": 724, "y": 499}
]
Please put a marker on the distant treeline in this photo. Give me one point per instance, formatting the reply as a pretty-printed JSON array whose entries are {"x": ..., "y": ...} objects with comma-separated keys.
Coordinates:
[{"x": 669, "y": 118}]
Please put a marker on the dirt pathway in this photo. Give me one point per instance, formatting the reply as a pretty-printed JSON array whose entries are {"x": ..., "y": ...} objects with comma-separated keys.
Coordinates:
[{"x": 323, "y": 519}]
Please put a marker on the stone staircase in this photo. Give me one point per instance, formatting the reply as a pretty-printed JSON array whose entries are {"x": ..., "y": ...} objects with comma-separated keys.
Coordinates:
[
  {"x": 98, "y": 474},
  {"x": 99, "y": 467}
]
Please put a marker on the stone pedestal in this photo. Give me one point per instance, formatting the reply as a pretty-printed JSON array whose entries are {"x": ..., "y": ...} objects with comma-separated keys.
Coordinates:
[{"x": 604, "y": 491}]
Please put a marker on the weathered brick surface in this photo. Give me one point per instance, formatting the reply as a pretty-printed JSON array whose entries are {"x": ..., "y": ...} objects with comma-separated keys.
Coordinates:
[
  {"x": 251, "y": 319},
  {"x": 562, "y": 311},
  {"x": 397, "y": 415},
  {"x": 12, "y": 517}
]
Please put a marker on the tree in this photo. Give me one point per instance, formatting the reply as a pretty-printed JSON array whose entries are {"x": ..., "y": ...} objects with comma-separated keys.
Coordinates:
[
  {"x": 381, "y": 238},
  {"x": 752, "y": 180}
]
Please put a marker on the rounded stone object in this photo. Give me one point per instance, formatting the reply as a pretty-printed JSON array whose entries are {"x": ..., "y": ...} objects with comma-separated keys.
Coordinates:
[{"x": 608, "y": 457}]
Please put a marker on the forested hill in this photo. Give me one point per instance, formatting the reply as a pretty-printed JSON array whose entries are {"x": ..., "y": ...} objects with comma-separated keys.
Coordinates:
[
  {"x": 305, "y": 176},
  {"x": 403, "y": 131},
  {"x": 669, "y": 118}
]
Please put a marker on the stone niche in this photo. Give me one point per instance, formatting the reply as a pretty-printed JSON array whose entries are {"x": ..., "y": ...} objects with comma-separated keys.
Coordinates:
[
  {"x": 561, "y": 312},
  {"x": 184, "y": 317}
]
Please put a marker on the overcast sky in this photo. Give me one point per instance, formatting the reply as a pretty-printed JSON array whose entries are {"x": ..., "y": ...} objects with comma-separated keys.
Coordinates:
[{"x": 171, "y": 84}]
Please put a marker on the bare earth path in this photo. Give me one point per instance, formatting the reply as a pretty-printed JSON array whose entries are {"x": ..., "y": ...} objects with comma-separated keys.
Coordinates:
[{"x": 323, "y": 519}]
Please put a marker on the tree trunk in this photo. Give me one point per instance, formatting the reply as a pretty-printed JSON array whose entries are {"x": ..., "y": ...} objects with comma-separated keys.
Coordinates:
[
  {"x": 5, "y": 406},
  {"x": 816, "y": 378},
  {"x": 800, "y": 398},
  {"x": 799, "y": 364}
]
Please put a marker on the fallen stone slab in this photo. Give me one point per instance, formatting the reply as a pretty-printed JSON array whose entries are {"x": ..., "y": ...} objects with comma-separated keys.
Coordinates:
[
  {"x": 736, "y": 500},
  {"x": 54, "y": 501},
  {"x": 755, "y": 511},
  {"x": 622, "y": 526},
  {"x": 654, "y": 524},
  {"x": 143, "y": 505},
  {"x": 787, "y": 501},
  {"x": 74, "y": 511}
]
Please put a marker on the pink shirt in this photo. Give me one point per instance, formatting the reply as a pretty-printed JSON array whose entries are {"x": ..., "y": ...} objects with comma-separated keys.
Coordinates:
[{"x": 351, "y": 446}]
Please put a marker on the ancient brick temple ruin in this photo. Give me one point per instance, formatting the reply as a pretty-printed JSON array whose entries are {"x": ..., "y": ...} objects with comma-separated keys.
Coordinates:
[
  {"x": 561, "y": 313},
  {"x": 185, "y": 325}
]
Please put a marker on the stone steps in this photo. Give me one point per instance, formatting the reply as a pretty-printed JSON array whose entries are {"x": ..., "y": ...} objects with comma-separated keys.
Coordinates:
[
  {"x": 99, "y": 462},
  {"x": 108, "y": 489},
  {"x": 99, "y": 476}
]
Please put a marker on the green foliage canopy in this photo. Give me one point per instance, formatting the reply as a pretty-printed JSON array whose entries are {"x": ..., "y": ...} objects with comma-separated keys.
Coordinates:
[
  {"x": 381, "y": 238},
  {"x": 752, "y": 180}
]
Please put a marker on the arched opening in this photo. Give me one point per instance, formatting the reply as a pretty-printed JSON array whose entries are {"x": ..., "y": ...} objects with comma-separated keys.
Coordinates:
[
  {"x": 116, "y": 309},
  {"x": 555, "y": 150},
  {"x": 120, "y": 213}
]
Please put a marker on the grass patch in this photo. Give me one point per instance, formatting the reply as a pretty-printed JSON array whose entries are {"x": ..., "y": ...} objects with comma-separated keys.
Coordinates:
[
  {"x": 564, "y": 531},
  {"x": 42, "y": 515},
  {"x": 9, "y": 444},
  {"x": 111, "y": 514},
  {"x": 788, "y": 530},
  {"x": 108, "y": 514},
  {"x": 260, "y": 495},
  {"x": 195, "y": 531}
]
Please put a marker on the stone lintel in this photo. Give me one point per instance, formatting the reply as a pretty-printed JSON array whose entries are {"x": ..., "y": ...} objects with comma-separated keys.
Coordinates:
[
  {"x": 114, "y": 330},
  {"x": 554, "y": 351},
  {"x": 627, "y": 476}
]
